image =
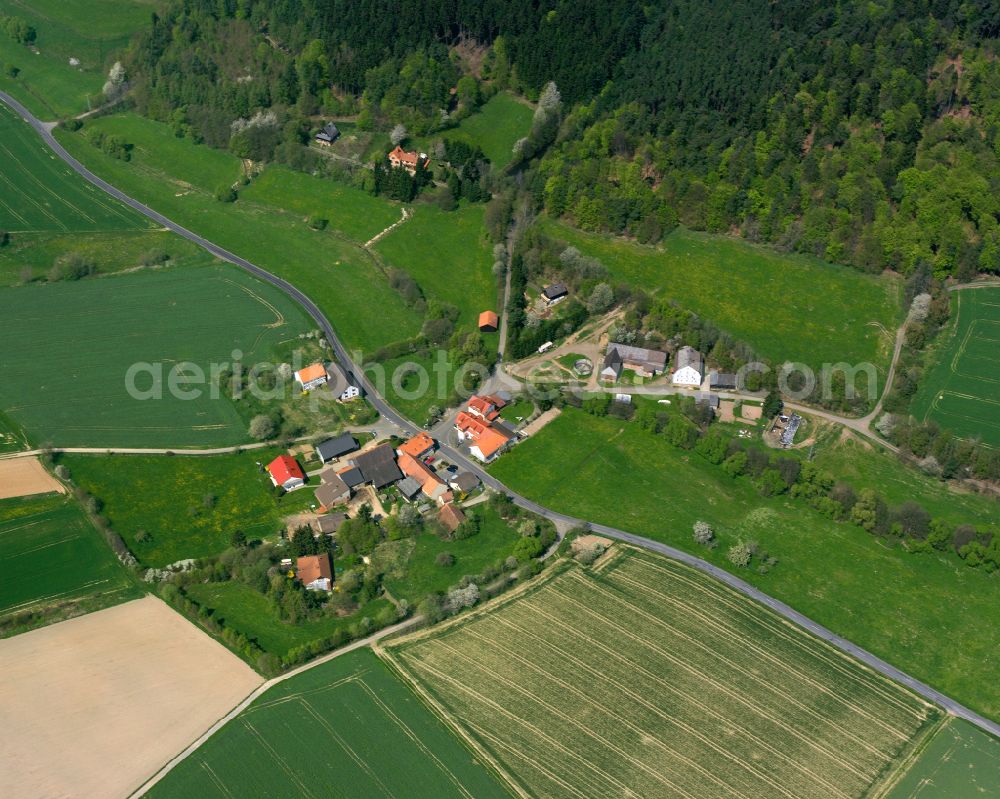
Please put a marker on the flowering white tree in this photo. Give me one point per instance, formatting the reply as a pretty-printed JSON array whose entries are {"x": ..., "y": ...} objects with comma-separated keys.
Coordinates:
[
  {"x": 398, "y": 134},
  {"x": 115, "y": 86}
]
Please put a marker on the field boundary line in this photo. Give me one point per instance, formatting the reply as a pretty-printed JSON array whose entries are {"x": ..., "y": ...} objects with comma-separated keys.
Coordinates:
[
  {"x": 900, "y": 767},
  {"x": 278, "y": 760},
  {"x": 424, "y": 695},
  {"x": 167, "y": 767}
]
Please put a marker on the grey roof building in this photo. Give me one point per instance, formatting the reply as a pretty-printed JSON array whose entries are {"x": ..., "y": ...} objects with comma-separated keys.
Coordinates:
[
  {"x": 378, "y": 465},
  {"x": 464, "y": 481},
  {"x": 329, "y": 523},
  {"x": 721, "y": 380},
  {"x": 335, "y": 447},
  {"x": 640, "y": 359},
  {"x": 329, "y": 134},
  {"x": 555, "y": 291},
  {"x": 408, "y": 487},
  {"x": 611, "y": 369},
  {"x": 352, "y": 477}
]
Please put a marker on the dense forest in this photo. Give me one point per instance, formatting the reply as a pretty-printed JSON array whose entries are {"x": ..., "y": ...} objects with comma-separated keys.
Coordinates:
[{"x": 865, "y": 133}]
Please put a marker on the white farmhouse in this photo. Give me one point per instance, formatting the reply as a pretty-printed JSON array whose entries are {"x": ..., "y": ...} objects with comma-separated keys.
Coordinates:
[{"x": 689, "y": 369}]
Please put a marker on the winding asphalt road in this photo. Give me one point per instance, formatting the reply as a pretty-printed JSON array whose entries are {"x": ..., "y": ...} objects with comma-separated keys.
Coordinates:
[{"x": 407, "y": 427}]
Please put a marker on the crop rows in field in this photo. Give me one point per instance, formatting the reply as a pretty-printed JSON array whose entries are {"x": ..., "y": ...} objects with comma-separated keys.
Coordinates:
[
  {"x": 651, "y": 681},
  {"x": 51, "y": 553},
  {"x": 39, "y": 192},
  {"x": 960, "y": 391},
  {"x": 347, "y": 728}
]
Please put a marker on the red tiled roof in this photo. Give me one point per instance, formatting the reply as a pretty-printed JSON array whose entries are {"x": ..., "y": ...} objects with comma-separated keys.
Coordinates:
[
  {"x": 284, "y": 468},
  {"x": 407, "y": 157},
  {"x": 313, "y": 567},
  {"x": 488, "y": 319},
  {"x": 417, "y": 445},
  {"x": 487, "y": 438}
]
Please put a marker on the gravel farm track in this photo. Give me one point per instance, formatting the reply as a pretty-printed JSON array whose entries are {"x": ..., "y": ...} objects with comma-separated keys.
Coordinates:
[{"x": 407, "y": 427}]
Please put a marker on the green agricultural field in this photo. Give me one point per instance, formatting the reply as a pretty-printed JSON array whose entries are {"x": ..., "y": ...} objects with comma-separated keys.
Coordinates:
[
  {"x": 50, "y": 553},
  {"x": 923, "y": 613},
  {"x": 787, "y": 307},
  {"x": 38, "y": 192},
  {"x": 250, "y": 612},
  {"x": 650, "y": 679},
  {"x": 91, "y": 31},
  {"x": 960, "y": 761},
  {"x": 189, "y": 505},
  {"x": 416, "y": 574},
  {"x": 449, "y": 257},
  {"x": 341, "y": 278},
  {"x": 961, "y": 390},
  {"x": 495, "y": 127},
  {"x": 65, "y": 373},
  {"x": 353, "y": 212},
  {"x": 347, "y": 728}
]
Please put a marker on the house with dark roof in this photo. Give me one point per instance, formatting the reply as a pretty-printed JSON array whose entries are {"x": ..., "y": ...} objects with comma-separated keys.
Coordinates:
[
  {"x": 335, "y": 447},
  {"x": 409, "y": 488},
  {"x": 464, "y": 482},
  {"x": 338, "y": 383},
  {"x": 721, "y": 381},
  {"x": 328, "y": 135},
  {"x": 352, "y": 476},
  {"x": 554, "y": 292},
  {"x": 709, "y": 399},
  {"x": 378, "y": 465},
  {"x": 644, "y": 362},
  {"x": 329, "y": 523},
  {"x": 332, "y": 491}
]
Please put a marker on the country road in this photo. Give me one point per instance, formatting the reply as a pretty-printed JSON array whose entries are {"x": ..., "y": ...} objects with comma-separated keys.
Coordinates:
[{"x": 407, "y": 427}]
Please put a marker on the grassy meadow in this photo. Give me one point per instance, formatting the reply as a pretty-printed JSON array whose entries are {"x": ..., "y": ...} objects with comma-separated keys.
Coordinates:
[
  {"x": 249, "y": 612},
  {"x": 449, "y": 257},
  {"x": 41, "y": 193},
  {"x": 923, "y": 613},
  {"x": 91, "y": 31},
  {"x": 651, "y": 679},
  {"x": 51, "y": 553},
  {"x": 346, "y": 728},
  {"x": 960, "y": 760},
  {"x": 412, "y": 572},
  {"x": 787, "y": 307},
  {"x": 66, "y": 371},
  {"x": 336, "y": 274},
  {"x": 961, "y": 389},
  {"x": 190, "y": 506}
]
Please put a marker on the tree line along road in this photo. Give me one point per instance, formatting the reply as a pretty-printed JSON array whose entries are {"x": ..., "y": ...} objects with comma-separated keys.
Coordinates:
[{"x": 407, "y": 427}]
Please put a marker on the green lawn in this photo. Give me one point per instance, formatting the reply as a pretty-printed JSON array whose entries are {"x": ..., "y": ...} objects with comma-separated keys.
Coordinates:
[
  {"x": 495, "y": 127},
  {"x": 421, "y": 575},
  {"x": 65, "y": 371},
  {"x": 347, "y": 728},
  {"x": 38, "y": 192},
  {"x": 787, "y": 307},
  {"x": 91, "y": 31},
  {"x": 165, "y": 496},
  {"x": 250, "y": 612},
  {"x": 353, "y": 212},
  {"x": 518, "y": 411},
  {"x": 960, "y": 389},
  {"x": 960, "y": 761},
  {"x": 50, "y": 552},
  {"x": 340, "y": 277},
  {"x": 923, "y": 613},
  {"x": 448, "y": 255}
]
